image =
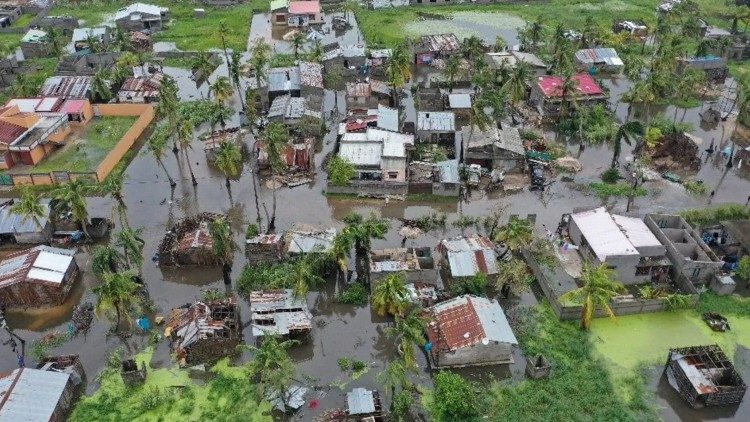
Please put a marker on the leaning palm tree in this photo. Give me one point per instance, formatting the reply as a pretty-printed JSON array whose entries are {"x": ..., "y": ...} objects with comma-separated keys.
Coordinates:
[
  {"x": 132, "y": 246},
  {"x": 224, "y": 245},
  {"x": 30, "y": 208},
  {"x": 340, "y": 250},
  {"x": 203, "y": 64},
  {"x": 398, "y": 69},
  {"x": 298, "y": 41},
  {"x": 259, "y": 61},
  {"x": 229, "y": 161},
  {"x": 112, "y": 186},
  {"x": 117, "y": 292},
  {"x": 409, "y": 331},
  {"x": 121, "y": 40},
  {"x": 184, "y": 138},
  {"x": 516, "y": 234},
  {"x": 394, "y": 376},
  {"x": 105, "y": 259},
  {"x": 128, "y": 60},
  {"x": 222, "y": 90},
  {"x": 363, "y": 230},
  {"x": 276, "y": 139},
  {"x": 223, "y": 34},
  {"x": 156, "y": 146},
  {"x": 389, "y": 295},
  {"x": 513, "y": 277},
  {"x": 515, "y": 85},
  {"x": 234, "y": 72},
  {"x": 625, "y": 132},
  {"x": 599, "y": 287},
  {"x": 71, "y": 197},
  {"x": 100, "y": 90},
  {"x": 272, "y": 367},
  {"x": 304, "y": 273}
]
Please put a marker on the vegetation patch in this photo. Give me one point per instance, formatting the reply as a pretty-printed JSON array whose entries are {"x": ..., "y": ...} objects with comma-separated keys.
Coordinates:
[
  {"x": 702, "y": 217},
  {"x": 608, "y": 190},
  {"x": 355, "y": 294}
]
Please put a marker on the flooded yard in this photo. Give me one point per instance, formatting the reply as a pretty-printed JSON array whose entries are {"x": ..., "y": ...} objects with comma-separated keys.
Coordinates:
[{"x": 486, "y": 26}]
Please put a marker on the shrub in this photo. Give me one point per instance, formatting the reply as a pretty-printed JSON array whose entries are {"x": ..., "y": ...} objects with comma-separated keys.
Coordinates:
[
  {"x": 476, "y": 285},
  {"x": 356, "y": 294},
  {"x": 611, "y": 176},
  {"x": 454, "y": 398},
  {"x": 606, "y": 190},
  {"x": 340, "y": 171},
  {"x": 695, "y": 187},
  {"x": 743, "y": 269},
  {"x": 252, "y": 231},
  {"x": 344, "y": 363}
]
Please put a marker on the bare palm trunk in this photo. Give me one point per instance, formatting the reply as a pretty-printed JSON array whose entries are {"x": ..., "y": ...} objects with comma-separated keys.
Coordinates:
[
  {"x": 117, "y": 312},
  {"x": 257, "y": 203},
  {"x": 226, "y": 271},
  {"x": 190, "y": 167},
  {"x": 272, "y": 221},
  {"x": 172, "y": 183}
]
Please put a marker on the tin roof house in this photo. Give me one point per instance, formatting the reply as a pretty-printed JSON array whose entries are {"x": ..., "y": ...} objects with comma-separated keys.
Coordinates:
[
  {"x": 437, "y": 127},
  {"x": 494, "y": 148},
  {"x": 44, "y": 394},
  {"x": 296, "y": 13},
  {"x": 432, "y": 47},
  {"x": 294, "y": 111},
  {"x": 547, "y": 93},
  {"x": 140, "y": 16},
  {"x": 307, "y": 239},
  {"x": 16, "y": 229},
  {"x": 279, "y": 313},
  {"x": 265, "y": 249},
  {"x": 212, "y": 141},
  {"x": 377, "y": 155},
  {"x": 204, "y": 332},
  {"x": 367, "y": 94},
  {"x": 510, "y": 60},
  {"x": 715, "y": 67},
  {"x": 600, "y": 59},
  {"x": 466, "y": 256},
  {"x": 37, "y": 277},
  {"x": 189, "y": 242},
  {"x": 304, "y": 79},
  {"x": 622, "y": 242},
  {"x": 35, "y": 43},
  {"x": 67, "y": 87},
  {"x": 141, "y": 89},
  {"x": 416, "y": 264},
  {"x": 364, "y": 405},
  {"x": 469, "y": 331}
]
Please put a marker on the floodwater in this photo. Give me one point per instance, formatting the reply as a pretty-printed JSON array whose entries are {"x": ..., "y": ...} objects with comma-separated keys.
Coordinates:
[
  {"x": 339, "y": 330},
  {"x": 487, "y": 26}
]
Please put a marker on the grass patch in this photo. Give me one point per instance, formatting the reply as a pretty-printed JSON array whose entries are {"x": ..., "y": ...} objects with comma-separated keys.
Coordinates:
[
  {"x": 282, "y": 60},
  {"x": 100, "y": 137},
  {"x": 355, "y": 294},
  {"x": 703, "y": 217},
  {"x": 12, "y": 41},
  {"x": 189, "y": 33},
  {"x": 181, "y": 62},
  {"x": 579, "y": 380},
  {"x": 607, "y": 190},
  {"x": 170, "y": 395},
  {"x": 23, "y": 21}
]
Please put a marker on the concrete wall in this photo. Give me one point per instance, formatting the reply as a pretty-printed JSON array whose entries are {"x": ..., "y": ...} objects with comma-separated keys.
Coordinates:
[
  {"x": 478, "y": 354},
  {"x": 357, "y": 187},
  {"x": 446, "y": 189},
  {"x": 427, "y": 276},
  {"x": 146, "y": 113}
]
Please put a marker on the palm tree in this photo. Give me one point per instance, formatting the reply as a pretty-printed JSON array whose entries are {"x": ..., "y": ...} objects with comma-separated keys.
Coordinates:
[
  {"x": 121, "y": 40},
  {"x": 203, "y": 64},
  {"x": 452, "y": 68},
  {"x": 156, "y": 146},
  {"x": 516, "y": 234},
  {"x": 234, "y": 73},
  {"x": 259, "y": 61},
  {"x": 500, "y": 44},
  {"x": 132, "y": 246},
  {"x": 143, "y": 58},
  {"x": 349, "y": 6},
  {"x": 688, "y": 86},
  {"x": 398, "y": 69},
  {"x": 128, "y": 59},
  {"x": 223, "y": 33},
  {"x": 71, "y": 197},
  {"x": 118, "y": 292},
  {"x": 298, "y": 40},
  {"x": 472, "y": 48},
  {"x": 569, "y": 90},
  {"x": 24, "y": 86},
  {"x": 410, "y": 332},
  {"x": 100, "y": 91},
  {"x": 93, "y": 43},
  {"x": 317, "y": 53},
  {"x": 184, "y": 138},
  {"x": 340, "y": 249},
  {"x": 304, "y": 273},
  {"x": 363, "y": 230},
  {"x": 272, "y": 366},
  {"x": 105, "y": 259},
  {"x": 515, "y": 86},
  {"x": 30, "y": 208},
  {"x": 599, "y": 287},
  {"x": 394, "y": 376},
  {"x": 54, "y": 37},
  {"x": 222, "y": 90},
  {"x": 224, "y": 245},
  {"x": 276, "y": 139},
  {"x": 112, "y": 186},
  {"x": 513, "y": 276},
  {"x": 625, "y": 132},
  {"x": 389, "y": 295},
  {"x": 229, "y": 162}
]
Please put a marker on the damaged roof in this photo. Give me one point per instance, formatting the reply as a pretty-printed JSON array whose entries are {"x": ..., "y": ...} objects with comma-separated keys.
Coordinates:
[
  {"x": 309, "y": 240},
  {"x": 469, "y": 255},
  {"x": 606, "y": 56},
  {"x": 466, "y": 321},
  {"x": 443, "y": 43},
  {"x": 199, "y": 238},
  {"x": 42, "y": 264},
  {"x": 448, "y": 171},
  {"x": 279, "y": 312},
  {"x": 360, "y": 401},
  {"x": 283, "y": 79},
  {"x": 195, "y": 323},
  {"x": 292, "y": 108},
  {"x": 142, "y": 86},
  {"x": 31, "y": 394},
  {"x": 67, "y": 87},
  {"x": 311, "y": 74},
  {"x": 510, "y": 140},
  {"x": 459, "y": 100}
]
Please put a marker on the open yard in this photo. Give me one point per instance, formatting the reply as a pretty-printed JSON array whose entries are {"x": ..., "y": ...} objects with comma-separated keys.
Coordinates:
[
  {"x": 10, "y": 41},
  {"x": 189, "y": 33},
  {"x": 84, "y": 152},
  {"x": 23, "y": 20}
]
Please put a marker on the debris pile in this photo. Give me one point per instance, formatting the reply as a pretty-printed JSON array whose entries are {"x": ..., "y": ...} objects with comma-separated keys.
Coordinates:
[{"x": 676, "y": 152}]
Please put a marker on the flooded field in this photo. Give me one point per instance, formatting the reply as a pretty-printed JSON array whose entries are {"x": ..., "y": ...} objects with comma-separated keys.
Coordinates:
[
  {"x": 344, "y": 330},
  {"x": 486, "y": 26}
]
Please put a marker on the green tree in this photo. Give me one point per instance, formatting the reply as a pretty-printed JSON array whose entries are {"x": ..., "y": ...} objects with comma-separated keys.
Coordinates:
[
  {"x": 272, "y": 367},
  {"x": 599, "y": 287},
  {"x": 298, "y": 41},
  {"x": 340, "y": 171},
  {"x": 340, "y": 248},
  {"x": 454, "y": 398},
  {"x": 394, "y": 376},
  {"x": 117, "y": 292},
  {"x": 71, "y": 197},
  {"x": 29, "y": 207},
  {"x": 625, "y": 132},
  {"x": 184, "y": 139},
  {"x": 229, "y": 161},
  {"x": 259, "y": 61},
  {"x": 120, "y": 40},
  {"x": 514, "y": 276},
  {"x": 363, "y": 230},
  {"x": 316, "y": 53},
  {"x": 452, "y": 69},
  {"x": 100, "y": 91},
  {"x": 500, "y": 44},
  {"x": 277, "y": 138},
  {"x": 224, "y": 245},
  {"x": 113, "y": 187},
  {"x": 132, "y": 246},
  {"x": 743, "y": 269},
  {"x": 517, "y": 233},
  {"x": 105, "y": 259},
  {"x": 398, "y": 69},
  {"x": 157, "y": 145},
  {"x": 222, "y": 90},
  {"x": 234, "y": 74},
  {"x": 515, "y": 86},
  {"x": 204, "y": 65},
  {"x": 389, "y": 295},
  {"x": 409, "y": 332},
  {"x": 303, "y": 274},
  {"x": 55, "y": 40}
]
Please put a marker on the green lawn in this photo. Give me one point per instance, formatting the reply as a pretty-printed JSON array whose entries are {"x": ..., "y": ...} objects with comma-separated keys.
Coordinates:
[
  {"x": 10, "y": 41},
  {"x": 84, "y": 153},
  {"x": 189, "y": 33},
  {"x": 23, "y": 20}
]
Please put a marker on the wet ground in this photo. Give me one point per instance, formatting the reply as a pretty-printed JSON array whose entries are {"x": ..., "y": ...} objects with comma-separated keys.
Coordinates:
[{"x": 339, "y": 330}]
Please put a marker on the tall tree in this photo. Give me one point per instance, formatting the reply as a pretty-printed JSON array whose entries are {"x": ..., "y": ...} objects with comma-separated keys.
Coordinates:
[
  {"x": 132, "y": 246},
  {"x": 229, "y": 161},
  {"x": 29, "y": 207},
  {"x": 121, "y": 40},
  {"x": 222, "y": 90},
  {"x": 71, "y": 197},
  {"x": 117, "y": 292},
  {"x": 516, "y": 84},
  {"x": 184, "y": 139},
  {"x": 156, "y": 146},
  {"x": 55, "y": 40},
  {"x": 599, "y": 287},
  {"x": 316, "y": 53},
  {"x": 516, "y": 234},
  {"x": 259, "y": 62},
  {"x": 389, "y": 295},
  {"x": 204, "y": 65},
  {"x": 625, "y": 132},
  {"x": 409, "y": 331},
  {"x": 276, "y": 139},
  {"x": 113, "y": 187},
  {"x": 100, "y": 91},
  {"x": 298, "y": 41},
  {"x": 303, "y": 274},
  {"x": 398, "y": 69},
  {"x": 363, "y": 230},
  {"x": 272, "y": 367},
  {"x": 224, "y": 246},
  {"x": 234, "y": 73},
  {"x": 105, "y": 259},
  {"x": 452, "y": 69}
]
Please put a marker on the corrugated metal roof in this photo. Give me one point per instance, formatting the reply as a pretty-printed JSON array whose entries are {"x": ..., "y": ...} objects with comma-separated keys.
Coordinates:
[
  {"x": 448, "y": 171},
  {"x": 636, "y": 231},
  {"x": 602, "y": 234},
  {"x": 31, "y": 394},
  {"x": 306, "y": 241},
  {"x": 388, "y": 118},
  {"x": 67, "y": 86},
  {"x": 82, "y": 34},
  {"x": 606, "y": 56},
  {"x": 510, "y": 139},
  {"x": 362, "y": 153},
  {"x": 436, "y": 121},
  {"x": 11, "y": 222},
  {"x": 35, "y": 36},
  {"x": 283, "y": 79},
  {"x": 311, "y": 74},
  {"x": 469, "y": 255},
  {"x": 360, "y": 401},
  {"x": 444, "y": 43},
  {"x": 140, "y": 8},
  {"x": 459, "y": 100}
]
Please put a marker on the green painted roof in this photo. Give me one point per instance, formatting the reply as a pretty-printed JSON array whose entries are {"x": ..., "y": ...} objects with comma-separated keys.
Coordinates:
[{"x": 278, "y": 4}]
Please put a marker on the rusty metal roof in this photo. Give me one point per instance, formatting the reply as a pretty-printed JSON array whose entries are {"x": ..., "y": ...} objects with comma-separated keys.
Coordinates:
[
  {"x": 198, "y": 238},
  {"x": 468, "y": 255},
  {"x": 278, "y": 312},
  {"x": 468, "y": 320},
  {"x": 41, "y": 264},
  {"x": 444, "y": 43},
  {"x": 67, "y": 87}
]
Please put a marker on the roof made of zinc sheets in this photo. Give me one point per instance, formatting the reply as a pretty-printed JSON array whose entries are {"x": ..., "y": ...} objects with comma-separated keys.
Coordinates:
[
  {"x": 469, "y": 255},
  {"x": 31, "y": 394},
  {"x": 444, "y": 43},
  {"x": 11, "y": 222},
  {"x": 67, "y": 86},
  {"x": 360, "y": 401}
]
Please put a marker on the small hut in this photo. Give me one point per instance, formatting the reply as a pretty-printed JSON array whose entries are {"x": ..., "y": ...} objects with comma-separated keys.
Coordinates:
[
  {"x": 364, "y": 406},
  {"x": 212, "y": 141},
  {"x": 265, "y": 249},
  {"x": 204, "y": 332},
  {"x": 189, "y": 242}
]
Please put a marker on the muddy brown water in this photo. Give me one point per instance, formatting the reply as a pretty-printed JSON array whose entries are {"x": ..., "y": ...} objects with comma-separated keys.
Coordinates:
[{"x": 339, "y": 330}]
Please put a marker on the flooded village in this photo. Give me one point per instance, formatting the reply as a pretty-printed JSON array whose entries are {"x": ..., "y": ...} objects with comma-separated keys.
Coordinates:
[{"x": 370, "y": 211}]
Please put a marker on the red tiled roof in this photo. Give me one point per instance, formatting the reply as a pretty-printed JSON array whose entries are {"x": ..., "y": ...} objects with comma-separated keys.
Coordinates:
[
  {"x": 304, "y": 7},
  {"x": 455, "y": 327},
  {"x": 551, "y": 86},
  {"x": 9, "y": 132}
]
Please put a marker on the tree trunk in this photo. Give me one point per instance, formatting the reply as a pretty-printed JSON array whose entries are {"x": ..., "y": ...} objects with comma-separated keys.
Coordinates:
[
  {"x": 272, "y": 221},
  {"x": 257, "y": 203},
  {"x": 172, "y": 183},
  {"x": 190, "y": 167},
  {"x": 226, "y": 270},
  {"x": 117, "y": 312},
  {"x": 229, "y": 190},
  {"x": 616, "y": 152}
]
